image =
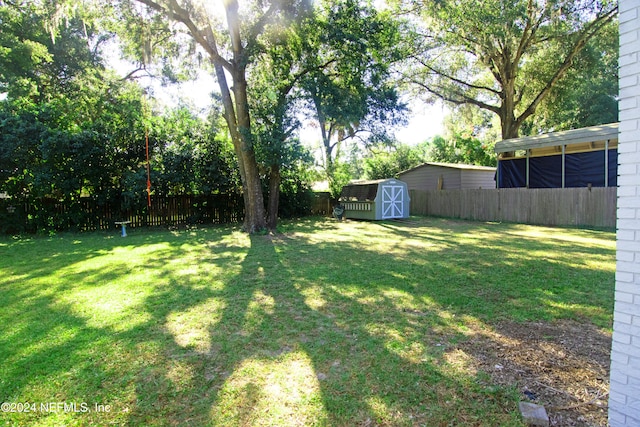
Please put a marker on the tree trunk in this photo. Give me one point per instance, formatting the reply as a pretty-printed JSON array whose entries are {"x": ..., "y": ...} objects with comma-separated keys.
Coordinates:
[
  {"x": 254, "y": 216},
  {"x": 509, "y": 124},
  {"x": 510, "y": 127},
  {"x": 254, "y": 213},
  {"x": 236, "y": 109},
  {"x": 239, "y": 124},
  {"x": 274, "y": 197}
]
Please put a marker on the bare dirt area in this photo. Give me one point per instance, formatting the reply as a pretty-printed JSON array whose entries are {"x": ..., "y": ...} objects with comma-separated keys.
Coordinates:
[{"x": 563, "y": 366}]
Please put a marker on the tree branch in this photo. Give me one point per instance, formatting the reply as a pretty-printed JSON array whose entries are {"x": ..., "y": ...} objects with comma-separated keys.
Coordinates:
[
  {"x": 179, "y": 14},
  {"x": 233, "y": 23},
  {"x": 463, "y": 99},
  {"x": 591, "y": 30},
  {"x": 258, "y": 27},
  {"x": 528, "y": 33},
  {"x": 296, "y": 77},
  {"x": 131, "y": 74},
  {"x": 459, "y": 81}
]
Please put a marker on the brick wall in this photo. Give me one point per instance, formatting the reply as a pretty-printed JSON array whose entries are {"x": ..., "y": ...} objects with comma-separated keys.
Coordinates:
[{"x": 624, "y": 397}]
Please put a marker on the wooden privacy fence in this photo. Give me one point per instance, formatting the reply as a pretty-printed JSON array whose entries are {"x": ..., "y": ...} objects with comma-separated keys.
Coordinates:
[
  {"x": 86, "y": 214},
  {"x": 594, "y": 207},
  {"x": 322, "y": 204},
  {"x": 181, "y": 210}
]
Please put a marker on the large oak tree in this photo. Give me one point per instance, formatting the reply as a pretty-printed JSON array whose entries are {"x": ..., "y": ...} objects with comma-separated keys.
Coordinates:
[
  {"x": 504, "y": 56},
  {"x": 231, "y": 50}
]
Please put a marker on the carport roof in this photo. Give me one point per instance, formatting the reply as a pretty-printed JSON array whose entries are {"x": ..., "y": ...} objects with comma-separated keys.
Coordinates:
[{"x": 567, "y": 137}]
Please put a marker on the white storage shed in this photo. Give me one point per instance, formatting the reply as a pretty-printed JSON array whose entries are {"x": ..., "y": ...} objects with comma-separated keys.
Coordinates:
[{"x": 375, "y": 200}]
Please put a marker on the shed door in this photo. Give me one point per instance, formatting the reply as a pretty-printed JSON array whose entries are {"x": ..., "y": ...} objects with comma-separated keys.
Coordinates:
[{"x": 392, "y": 201}]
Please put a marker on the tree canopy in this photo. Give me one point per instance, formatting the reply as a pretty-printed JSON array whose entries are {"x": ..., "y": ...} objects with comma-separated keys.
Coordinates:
[
  {"x": 505, "y": 56},
  {"x": 349, "y": 88}
]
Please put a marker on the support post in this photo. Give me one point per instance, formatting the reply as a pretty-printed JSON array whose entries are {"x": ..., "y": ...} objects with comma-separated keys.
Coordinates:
[
  {"x": 606, "y": 163},
  {"x": 527, "y": 171},
  {"x": 564, "y": 149}
]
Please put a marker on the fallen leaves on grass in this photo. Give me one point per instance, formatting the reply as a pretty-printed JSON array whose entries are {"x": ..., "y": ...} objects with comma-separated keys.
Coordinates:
[{"x": 562, "y": 365}]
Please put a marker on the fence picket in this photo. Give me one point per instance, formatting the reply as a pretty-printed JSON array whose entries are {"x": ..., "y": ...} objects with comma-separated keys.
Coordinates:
[
  {"x": 545, "y": 206},
  {"x": 87, "y": 214}
]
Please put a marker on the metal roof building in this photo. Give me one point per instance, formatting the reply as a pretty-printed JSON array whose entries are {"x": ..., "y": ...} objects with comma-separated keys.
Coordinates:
[
  {"x": 448, "y": 176},
  {"x": 574, "y": 158}
]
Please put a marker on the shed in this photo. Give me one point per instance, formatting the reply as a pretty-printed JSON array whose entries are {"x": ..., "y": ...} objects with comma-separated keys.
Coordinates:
[
  {"x": 449, "y": 176},
  {"x": 375, "y": 200},
  {"x": 573, "y": 158}
]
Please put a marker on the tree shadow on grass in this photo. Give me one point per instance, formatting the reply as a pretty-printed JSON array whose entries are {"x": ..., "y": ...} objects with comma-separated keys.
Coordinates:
[
  {"x": 560, "y": 295},
  {"x": 81, "y": 338},
  {"x": 279, "y": 357},
  {"x": 255, "y": 351},
  {"x": 279, "y": 331},
  {"x": 491, "y": 267}
]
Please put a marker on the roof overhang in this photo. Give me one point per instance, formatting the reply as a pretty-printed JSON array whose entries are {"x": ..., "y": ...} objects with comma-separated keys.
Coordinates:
[{"x": 588, "y": 135}]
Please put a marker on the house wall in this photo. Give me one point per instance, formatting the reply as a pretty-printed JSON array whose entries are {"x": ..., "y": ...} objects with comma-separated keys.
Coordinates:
[
  {"x": 624, "y": 395},
  {"x": 475, "y": 179},
  {"x": 426, "y": 178}
]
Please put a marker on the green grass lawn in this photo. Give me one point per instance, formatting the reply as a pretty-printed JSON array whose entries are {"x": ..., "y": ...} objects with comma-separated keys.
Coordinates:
[{"x": 328, "y": 323}]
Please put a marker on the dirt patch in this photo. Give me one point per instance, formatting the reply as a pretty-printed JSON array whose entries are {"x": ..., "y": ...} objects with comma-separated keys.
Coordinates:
[{"x": 562, "y": 365}]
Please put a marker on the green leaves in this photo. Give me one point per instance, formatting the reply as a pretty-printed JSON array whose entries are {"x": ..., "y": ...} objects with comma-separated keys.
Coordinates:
[
  {"x": 503, "y": 56},
  {"x": 349, "y": 88},
  {"x": 389, "y": 164},
  {"x": 190, "y": 155}
]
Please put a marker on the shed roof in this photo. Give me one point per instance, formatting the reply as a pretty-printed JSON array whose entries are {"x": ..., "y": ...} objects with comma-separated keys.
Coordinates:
[
  {"x": 567, "y": 137},
  {"x": 366, "y": 181},
  {"x": 452, "y": 166},
  {"x": 362, "y": 190}
]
